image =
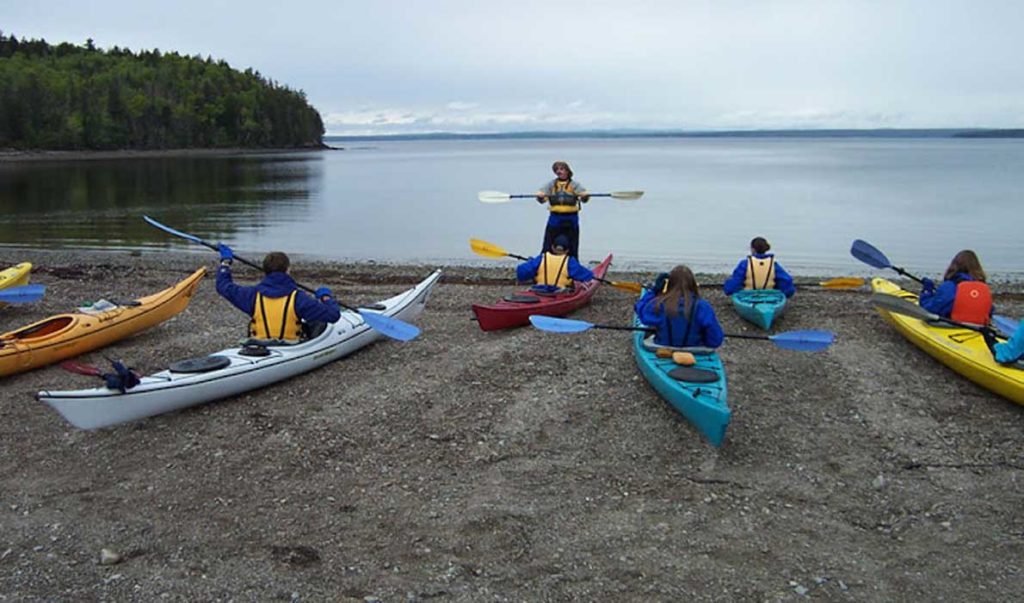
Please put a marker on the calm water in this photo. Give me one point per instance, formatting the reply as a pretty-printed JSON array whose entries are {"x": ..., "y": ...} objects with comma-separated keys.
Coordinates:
[{"x": 919, "y": 201}]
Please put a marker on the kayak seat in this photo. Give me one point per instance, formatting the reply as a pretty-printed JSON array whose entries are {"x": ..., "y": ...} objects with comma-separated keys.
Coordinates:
[
  {"x": 690, "y": 374},
  {"x": 695, "y": 350},
  {"x": 203, "y": 364},
  {"x": 522, "y": 299}
]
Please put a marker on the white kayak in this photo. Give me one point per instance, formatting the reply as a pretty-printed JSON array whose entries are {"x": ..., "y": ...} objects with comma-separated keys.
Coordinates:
[{"x": 231, "y": 371}]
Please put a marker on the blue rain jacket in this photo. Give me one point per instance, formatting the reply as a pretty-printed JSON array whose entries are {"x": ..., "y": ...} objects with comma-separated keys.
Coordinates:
[
  {"x": 783, "y": 281},
  {"x": 940, "y": 300},
  {"x": 275, "y": 284},
  {"x": 1013, "y": 349},
  {"x": 704, "y": 332},
  {"x": 527, "y": 271}
]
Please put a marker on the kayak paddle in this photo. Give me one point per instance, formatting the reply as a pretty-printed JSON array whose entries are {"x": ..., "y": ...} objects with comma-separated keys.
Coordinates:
[
  {"x": 867, "y": 253},
  {"x": 23, "y": 294},
  {"x": 500, "y": 197},
  {"x": 841, "y": 282},
  {"x": 386, "y": 325},
  {"x": 490, "y": 250},
  {"x": 800, "y": 341},
  {"x": 898, "y": 305}
]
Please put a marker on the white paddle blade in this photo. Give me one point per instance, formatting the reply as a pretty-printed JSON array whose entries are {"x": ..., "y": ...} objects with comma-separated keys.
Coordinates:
[
  {"x": 627, "y": 195},
  {"x": 494, "y": 197}
]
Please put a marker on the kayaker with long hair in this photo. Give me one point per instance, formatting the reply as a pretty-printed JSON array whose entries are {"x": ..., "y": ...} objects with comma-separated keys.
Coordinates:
[
  {"x": 759, "y": 270},
  {"x": 682, "y": 318},
  {"x": 554, "y": 270},
  {"x": 276, "y": 305},
  {"x": 564, "y": 197},
  {"x": 963, "y": 295}
]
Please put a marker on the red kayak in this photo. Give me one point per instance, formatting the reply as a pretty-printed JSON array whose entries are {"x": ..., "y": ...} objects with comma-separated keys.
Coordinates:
[{"x": 516, "y": 309}]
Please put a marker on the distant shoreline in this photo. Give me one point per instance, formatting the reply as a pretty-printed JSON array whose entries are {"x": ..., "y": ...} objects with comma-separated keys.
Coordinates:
[
  {"x": 612, "y": 134},
  {"x": 13, "y": 155}
]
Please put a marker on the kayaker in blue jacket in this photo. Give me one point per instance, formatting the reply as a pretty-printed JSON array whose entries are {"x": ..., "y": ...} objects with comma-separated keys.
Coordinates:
[
  {"x": 759, "y": 270},
  {"x": 963, "y": 295},
  {"x": 554, "y": 270},
  {"x": 276, "y": 305},
  {"x": 682, "y": 318},
  {"x": 564, "y": 197}
]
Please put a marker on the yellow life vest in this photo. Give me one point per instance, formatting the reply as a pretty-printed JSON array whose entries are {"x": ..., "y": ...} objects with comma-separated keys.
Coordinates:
[
  {"x": 567, "y": 203},
  {"x": 554, "y": 270},
  {"x": 760, "y": 273},
  {"x": 275, "y": 318}
]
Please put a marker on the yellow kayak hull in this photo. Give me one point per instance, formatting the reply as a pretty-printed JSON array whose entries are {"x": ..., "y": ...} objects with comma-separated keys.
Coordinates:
[
  {"x": 962, "y": 350},
  {"x": 66, "y": 335},
  {"x": 15, "y": 276}
]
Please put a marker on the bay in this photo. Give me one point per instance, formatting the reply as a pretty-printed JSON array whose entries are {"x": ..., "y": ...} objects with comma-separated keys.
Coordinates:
[{"x": 918, "y": 200}]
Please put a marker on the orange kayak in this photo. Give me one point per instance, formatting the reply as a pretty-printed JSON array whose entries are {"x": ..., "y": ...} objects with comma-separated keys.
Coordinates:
[{"x": 66, "y": 335}]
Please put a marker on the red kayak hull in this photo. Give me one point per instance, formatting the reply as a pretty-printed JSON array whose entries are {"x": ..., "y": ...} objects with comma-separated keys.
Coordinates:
[{"x": 507, "y": 314}]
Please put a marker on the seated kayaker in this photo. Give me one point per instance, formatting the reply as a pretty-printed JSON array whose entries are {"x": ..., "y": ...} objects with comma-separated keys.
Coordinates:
[
  {"x": 681, "y": 317},
  {"x": 963, "y": 295},
  {"x": 759, "y": 270},
  {"x": 554, "y": 270},
  {"x": 564, "y": 197},
  {"x": 276, "y": 305}
]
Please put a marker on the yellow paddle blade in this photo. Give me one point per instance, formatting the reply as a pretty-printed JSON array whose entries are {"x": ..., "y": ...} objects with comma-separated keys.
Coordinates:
[
  {"x": 488, "y": 250},
  {"x": 843, "y": 282},
  {"x": 627, "y": 195},
  {"x": 627, "y": 286}
]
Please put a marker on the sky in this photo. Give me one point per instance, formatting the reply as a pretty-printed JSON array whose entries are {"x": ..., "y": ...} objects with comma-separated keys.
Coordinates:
[{"x": 417, "y": 66}]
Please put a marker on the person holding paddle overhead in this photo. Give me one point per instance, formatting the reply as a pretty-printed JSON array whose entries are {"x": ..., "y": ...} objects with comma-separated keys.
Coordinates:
[
  {"x": 553, "y": 270},
  {"x": 963, "y": 295},
  {"x": 277, "y": 307},
  {"x": 759, "y": 270},
  {"x": 564, "y": 197},
  {"x": 682, "y": 318}
]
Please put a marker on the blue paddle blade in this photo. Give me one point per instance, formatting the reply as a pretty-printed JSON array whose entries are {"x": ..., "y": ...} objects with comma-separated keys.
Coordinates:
[
  {"x": 866, "y": 252},
  {"x": 1004, "y": 324},
  {"x": 559, "y": 325},
  {"x": 804, "y": 341},
  {"x": 177, "y": 233},
  {"x": 392, "y": 327},
  {"x": 23, "y": 294}
]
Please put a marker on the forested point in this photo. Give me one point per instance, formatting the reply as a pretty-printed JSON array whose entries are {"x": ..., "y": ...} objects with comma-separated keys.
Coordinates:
[{"x": 67, "y": 97}]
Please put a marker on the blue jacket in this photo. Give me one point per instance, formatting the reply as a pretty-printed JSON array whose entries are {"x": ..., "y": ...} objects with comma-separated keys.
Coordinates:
[
  {"x": 940, "y": 300},
  {"x": 527, "y": 271},
  {"x": 705, "y": 332},
  {"x": 1013, "y": 349},
  {"x": 783, "y": 281},
  {"x": 275, "y": 284}
]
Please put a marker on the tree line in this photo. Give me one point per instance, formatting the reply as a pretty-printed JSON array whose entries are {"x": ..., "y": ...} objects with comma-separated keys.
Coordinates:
[{"x": 80, "y": 97}]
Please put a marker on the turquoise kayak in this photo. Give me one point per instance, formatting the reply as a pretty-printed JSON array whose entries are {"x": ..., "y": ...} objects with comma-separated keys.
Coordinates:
[
  {"x": 759, "y": 306},
  {"x": 697, "y": 392}
]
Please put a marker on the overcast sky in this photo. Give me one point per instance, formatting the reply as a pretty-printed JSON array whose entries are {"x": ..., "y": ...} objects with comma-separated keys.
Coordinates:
[{"x": 510, "y": 65}]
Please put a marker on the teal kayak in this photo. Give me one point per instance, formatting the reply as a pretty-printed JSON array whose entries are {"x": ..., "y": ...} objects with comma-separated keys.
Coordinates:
[
  {"x": 697, "y": 392},
  {"x": 759, "y": 306}
]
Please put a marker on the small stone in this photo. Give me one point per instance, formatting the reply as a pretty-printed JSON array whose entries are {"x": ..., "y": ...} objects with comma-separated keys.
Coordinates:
[
  {"x": 109, "y": 557},
  {"x": 879, "y": 482},
  {"x": 800, "y": 590}
]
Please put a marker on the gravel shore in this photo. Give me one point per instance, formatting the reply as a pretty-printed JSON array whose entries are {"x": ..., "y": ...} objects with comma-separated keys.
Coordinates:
[{"x": 508, "y": 466}]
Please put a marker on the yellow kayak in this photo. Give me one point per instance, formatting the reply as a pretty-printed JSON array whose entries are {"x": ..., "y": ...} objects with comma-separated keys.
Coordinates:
[
  {"x": 15, "y": 276},
  {"x": 65, "y": 335},
  {"x": 962, "y": 350}
]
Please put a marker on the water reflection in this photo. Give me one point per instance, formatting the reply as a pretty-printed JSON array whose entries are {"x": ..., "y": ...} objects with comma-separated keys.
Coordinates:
[{"x": 98, "y": 204}]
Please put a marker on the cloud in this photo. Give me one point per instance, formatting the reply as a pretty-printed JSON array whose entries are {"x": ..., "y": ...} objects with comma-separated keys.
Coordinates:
[{"x": 463, "y": 117}]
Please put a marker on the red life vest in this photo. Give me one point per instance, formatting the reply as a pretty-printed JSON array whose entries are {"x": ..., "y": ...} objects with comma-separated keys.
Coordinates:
[{"x": 973, "y": 303}]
